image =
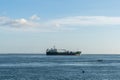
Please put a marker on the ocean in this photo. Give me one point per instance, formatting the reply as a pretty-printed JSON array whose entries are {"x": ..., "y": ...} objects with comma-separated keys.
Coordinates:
[{"x": 42, "y": 67}]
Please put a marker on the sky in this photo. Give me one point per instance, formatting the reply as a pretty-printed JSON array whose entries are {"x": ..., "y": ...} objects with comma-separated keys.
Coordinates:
[{"x": 32, "y": 26}]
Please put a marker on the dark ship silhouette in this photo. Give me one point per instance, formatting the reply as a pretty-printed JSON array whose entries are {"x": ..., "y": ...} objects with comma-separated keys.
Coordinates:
[{"x": 54, "y": 51}]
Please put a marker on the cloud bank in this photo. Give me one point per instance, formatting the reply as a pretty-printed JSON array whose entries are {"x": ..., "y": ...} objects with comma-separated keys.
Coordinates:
[{"x": 34, "y": 23}]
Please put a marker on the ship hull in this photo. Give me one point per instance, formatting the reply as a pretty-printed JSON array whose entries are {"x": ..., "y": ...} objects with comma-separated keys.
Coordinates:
[{"x": 63, "y": 53}]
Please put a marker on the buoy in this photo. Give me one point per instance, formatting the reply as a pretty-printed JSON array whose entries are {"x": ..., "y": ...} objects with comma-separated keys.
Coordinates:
[{"x": 83, "y": 71}]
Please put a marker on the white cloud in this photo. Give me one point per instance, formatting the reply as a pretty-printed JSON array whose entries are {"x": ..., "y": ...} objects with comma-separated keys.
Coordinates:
[
  {"x": 87, "y": 21},
  {"x": 57, "y": 24},
  {"x": 17, "y": 23},
  {"x": 35, "y": 17}
]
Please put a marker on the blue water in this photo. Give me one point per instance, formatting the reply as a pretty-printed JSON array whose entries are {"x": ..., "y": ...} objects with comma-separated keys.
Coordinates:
[{"x": 42, "y": 67}]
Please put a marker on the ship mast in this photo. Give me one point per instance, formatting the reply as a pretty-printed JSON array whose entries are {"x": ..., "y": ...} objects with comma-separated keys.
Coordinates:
[{"x": 54, "y": 47}]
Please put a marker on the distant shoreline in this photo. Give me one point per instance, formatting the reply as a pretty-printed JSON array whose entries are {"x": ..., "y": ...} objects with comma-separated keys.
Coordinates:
[{"x": 45, "y": 54}]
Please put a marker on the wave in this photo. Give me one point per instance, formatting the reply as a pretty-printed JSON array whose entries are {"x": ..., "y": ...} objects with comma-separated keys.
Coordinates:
[{"x": 48, "y": 64}]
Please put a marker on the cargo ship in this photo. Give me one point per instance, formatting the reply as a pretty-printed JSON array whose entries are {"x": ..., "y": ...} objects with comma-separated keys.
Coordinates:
[{"x": 54, "y": 51}]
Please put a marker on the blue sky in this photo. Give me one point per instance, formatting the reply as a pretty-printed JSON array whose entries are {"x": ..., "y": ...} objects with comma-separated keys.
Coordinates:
[{"x": 31, "y": 26}]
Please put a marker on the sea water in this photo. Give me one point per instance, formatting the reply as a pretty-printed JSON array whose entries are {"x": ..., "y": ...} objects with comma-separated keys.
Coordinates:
[{"x": 42, "y": 67}]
